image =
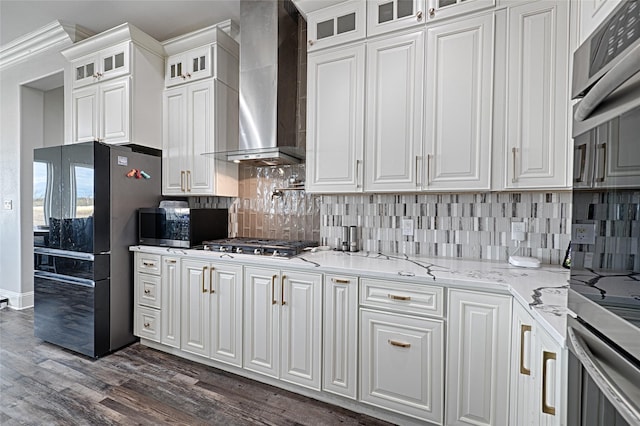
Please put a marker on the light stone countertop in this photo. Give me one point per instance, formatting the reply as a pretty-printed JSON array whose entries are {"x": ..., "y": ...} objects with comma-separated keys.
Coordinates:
[{"x": 543, "y": 290}]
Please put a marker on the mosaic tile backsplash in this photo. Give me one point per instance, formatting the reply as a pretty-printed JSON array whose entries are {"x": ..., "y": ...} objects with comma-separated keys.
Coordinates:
[
  {"x": 616, "y": 217},
  {"x": 471, "y": 226}
]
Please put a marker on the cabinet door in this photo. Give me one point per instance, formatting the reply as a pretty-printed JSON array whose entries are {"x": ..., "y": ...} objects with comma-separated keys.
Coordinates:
[
  {"x": 200, "y": 174},
  {"x": 340, "y": 335},
  {"x": 199, "y": 63},
  {"x": 148, "y": 291},
  {"x": 301, "y": 313},
  {"x": 84, "y": 109},
  {"x": 549, "y": 401},
  {"x": 174, "y": 141},
  {"x": 335, "y": 120},
  {"x": 523, "y": 370},
  {"x": 395, "y": 68},
  {"x": 617, "y": 153},
  {"x": 478, "y": 351},
  {"x": 261, "y": 325},
  {"x": 115, "y": 119},
  {"x": 114, "y": 61},
  {"x": 226, "y": 313},
  {"x": 402, "y": 364},
  {"x": 341, "y": 23},
  {"x": 170, "y": 319},
  {"x": 442, "y": 9},
  {"x": 459, "y": 100},
  {"x": 195, "y": 316},
  {"x": 85, "y": 71},
  {"x": 390, "y": 15},
  {"x": 537, "y": 95},
  {"x": 176, "y": 70}
]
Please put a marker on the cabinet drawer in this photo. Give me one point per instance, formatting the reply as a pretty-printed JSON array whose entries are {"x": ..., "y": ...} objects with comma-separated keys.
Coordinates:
[
  {"x": 408, "y": 298},
  {"x": 148, "y": 263},
  {"x": 147, "y": 324},
  {"x": 148, "y": 290}
]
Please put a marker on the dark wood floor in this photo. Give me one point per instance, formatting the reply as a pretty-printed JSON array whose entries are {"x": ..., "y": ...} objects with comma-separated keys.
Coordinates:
[{"x": 43, "y": 384}]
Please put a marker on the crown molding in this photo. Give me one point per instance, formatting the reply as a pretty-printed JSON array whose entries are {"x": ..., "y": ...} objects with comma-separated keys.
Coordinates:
[{"x": 40, "y": 40}]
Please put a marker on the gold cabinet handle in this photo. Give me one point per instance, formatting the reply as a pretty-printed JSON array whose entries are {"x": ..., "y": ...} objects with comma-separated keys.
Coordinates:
[
  {"x": 546, "y": 357},
  {"x": 170, "y": 261},
  {"x": 583, "y": 162},
  {"x": 523, "y": 329},
  {"x": 182, "y": 175},
  {"x": 603, "y": 173},
  {"x": 396, "y": 297},
  {"x": 284, "y": 277},
  {"x": 204, "y": 271},
  {"x": 358, "y": 169},
  {"x": 148, "y": 263},
  {"x": 514, "y": 151},
  {"x": 188, "y": 180},
  {"x": 273, "y": 290},
  {"x": 340, "y": 281},
  {"x": 432, "y": 12},
  {"x": 418, "y": 177},
  {"x": 211, "y": 290},
  {"x": 399, "y": 344},
  {"x": 428, "y": 171}
]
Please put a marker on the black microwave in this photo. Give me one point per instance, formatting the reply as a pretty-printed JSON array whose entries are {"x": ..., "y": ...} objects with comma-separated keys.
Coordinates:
[{"x": 181, "y": 227}]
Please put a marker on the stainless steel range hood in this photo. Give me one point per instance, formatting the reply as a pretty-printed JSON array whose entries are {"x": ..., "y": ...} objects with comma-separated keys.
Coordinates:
[{"x": 268, "y": 83}]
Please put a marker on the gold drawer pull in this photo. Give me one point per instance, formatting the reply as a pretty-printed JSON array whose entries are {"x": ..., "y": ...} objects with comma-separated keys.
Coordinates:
[
  {"x": 340, "y": 281},
  {"x": 396, "y": 297},
  {"x": 546, "y": 356},
  {"x": 399, "y": 344},
  {"x": 170, "y": 260},
  {"x": 204, "y": 271},
  {"x": 149, "y": 263},
  {"x": 523, "y": 329}
]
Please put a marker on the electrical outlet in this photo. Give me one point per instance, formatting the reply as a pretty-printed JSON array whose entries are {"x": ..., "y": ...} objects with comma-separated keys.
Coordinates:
[
  {"x": 518, "y": 231},
  {"x": 8, "y": 204},
  {"x": 407, "y": 227},
  {"x": 583, "y": 233}
]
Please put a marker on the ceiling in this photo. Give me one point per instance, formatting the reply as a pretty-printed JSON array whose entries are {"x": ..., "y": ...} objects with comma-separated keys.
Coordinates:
[{"x": 162, "y": 20}]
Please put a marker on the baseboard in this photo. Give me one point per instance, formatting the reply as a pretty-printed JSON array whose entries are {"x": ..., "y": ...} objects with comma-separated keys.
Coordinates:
[{"x": 18, "y": 300}]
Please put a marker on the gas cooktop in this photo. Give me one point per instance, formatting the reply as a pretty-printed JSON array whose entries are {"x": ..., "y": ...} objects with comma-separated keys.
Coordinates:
[{"x": 258, "y": 246}]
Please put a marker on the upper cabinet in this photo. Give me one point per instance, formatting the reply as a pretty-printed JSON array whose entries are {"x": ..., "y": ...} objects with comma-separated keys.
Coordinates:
[
  {"x": 537, "y": 107},
  {"x": 390, "y": 15},
  {"x": 116, "y": 88},
  {"x": 200, "y": 114},
  {"x": 459, "y": 100},
  {"x": 441, "y": 9},
  {"x": 344, "y": 22}
]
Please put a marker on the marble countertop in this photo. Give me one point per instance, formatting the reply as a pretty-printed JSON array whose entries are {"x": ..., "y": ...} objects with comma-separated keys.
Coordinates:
[{"x": 542, "y": 290}]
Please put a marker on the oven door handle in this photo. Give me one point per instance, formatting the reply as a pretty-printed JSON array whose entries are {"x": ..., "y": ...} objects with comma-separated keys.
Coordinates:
[
  {"x": 621, "y": 72},
  {"x": 609, "y": 388},
  {"x": 64, "y": 278}
]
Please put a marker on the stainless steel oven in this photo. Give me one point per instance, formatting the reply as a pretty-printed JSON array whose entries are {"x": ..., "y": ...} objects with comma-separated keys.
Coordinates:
[{"x": 603, "y": 331}]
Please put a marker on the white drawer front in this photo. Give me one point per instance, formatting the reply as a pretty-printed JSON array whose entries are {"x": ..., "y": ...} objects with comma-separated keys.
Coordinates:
[
  {"x": 404, "y": 297},
  {"x": 148, "y": 288},
  {"x": 148, "y": 263},
  {"x": 147, "y": 324}
]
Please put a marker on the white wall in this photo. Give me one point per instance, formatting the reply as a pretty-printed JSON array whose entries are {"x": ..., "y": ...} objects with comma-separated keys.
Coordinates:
[{"x": 17, "y": 141}]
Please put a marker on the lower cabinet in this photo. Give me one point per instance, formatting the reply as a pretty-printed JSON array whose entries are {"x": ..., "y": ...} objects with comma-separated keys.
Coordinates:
[
  {"x": 536, "y": 396},
  {"x": 147, "y": 296},
  {"x": 340, "y": 335},
  {"x": 211, "y": 314},
  {"x": 401, "y": 365},
  {"x": 478, "y": 352},
  {"x": 170, "y": 318},
  {"x": 282, "y": 329}
]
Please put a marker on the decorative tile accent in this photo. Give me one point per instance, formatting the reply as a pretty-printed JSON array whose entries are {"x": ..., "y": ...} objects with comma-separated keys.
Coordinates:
[{"x": 472, "y": 226}]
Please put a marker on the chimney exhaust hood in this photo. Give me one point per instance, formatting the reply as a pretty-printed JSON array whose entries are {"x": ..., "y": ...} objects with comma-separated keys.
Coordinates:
[{"x": 268, "y": 84}]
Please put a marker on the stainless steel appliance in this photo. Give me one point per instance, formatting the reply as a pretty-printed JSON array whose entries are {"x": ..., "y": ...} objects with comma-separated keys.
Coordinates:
[
  {"x": 86, "y": 198},
  {"x": 257, "y": 246},
  {"x": 181, "y": 227},
  {"x": 603, "y": 331}
]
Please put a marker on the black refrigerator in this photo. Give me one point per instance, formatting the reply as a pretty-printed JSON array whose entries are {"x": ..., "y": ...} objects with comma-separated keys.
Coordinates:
[{"x": 85, "y": 205}]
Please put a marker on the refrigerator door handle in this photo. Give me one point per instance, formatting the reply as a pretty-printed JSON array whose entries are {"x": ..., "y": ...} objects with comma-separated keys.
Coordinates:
[
  {"x": 64, "y": 278},
  {"x": 65, "y": 253}
]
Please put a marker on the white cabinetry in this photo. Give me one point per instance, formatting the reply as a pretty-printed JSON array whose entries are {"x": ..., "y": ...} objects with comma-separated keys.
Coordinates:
[
  {"x": 477, "y": 353},
  {"x": 200, "y": 116},
  {"x": 116, "y": 88},
  {"x": 442, "y": 9},
  {"x": 171, "y": 290},
  {"x": 536, "y": 396},
  {"x": 341, "y": 23},
  {"x": 282, "y": 330},
  {"x": 147, "y": 297},
  {"x": 211, "y": 321},
  {"x": 537, "y": 138},
  {"x": 402, "y": 356},
  {"x": 390, "y": 15},
  {"x": 335, "y": 120},
  {"x": 592, "y": 13},
  {"x": 395, "y": 72},
  {"x": 340, "y": 335},
  {"x": 459, "y": 101}
]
